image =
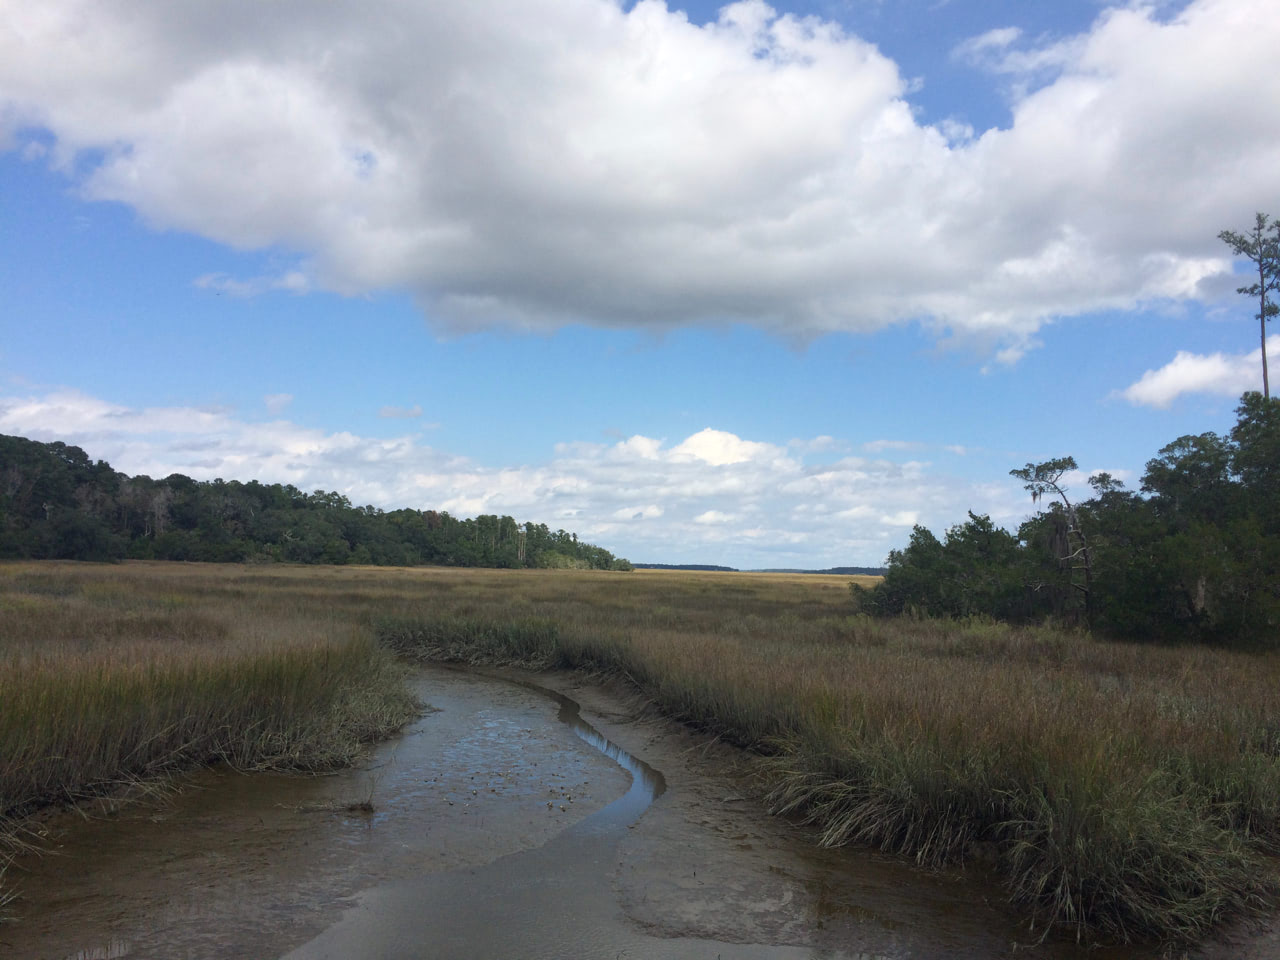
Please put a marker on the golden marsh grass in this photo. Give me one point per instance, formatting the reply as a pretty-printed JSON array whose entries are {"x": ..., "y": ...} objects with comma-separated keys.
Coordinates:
[
  {"x": 110, "y": 675},
  {"x": 1123, "y": 790}
]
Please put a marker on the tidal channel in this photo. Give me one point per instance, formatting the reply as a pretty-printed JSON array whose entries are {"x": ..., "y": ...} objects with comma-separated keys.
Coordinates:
[{"x": 502, "y": 824}]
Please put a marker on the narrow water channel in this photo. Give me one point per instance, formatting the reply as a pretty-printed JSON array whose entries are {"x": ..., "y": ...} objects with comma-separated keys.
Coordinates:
[
  {"x": 552, "y": 902},
  {"x": 495, "y": 832}
]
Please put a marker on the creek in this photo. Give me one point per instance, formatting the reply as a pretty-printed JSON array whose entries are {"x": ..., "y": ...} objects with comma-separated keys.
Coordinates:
[{"x": 502, "y": 824}]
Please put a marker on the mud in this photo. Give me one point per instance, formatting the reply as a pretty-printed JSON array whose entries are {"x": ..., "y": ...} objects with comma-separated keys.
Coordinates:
[{"x": 502, "y": 825}]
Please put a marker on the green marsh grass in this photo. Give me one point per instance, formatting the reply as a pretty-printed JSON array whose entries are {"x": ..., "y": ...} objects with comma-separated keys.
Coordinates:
[{"x": 1124, "y": 792}]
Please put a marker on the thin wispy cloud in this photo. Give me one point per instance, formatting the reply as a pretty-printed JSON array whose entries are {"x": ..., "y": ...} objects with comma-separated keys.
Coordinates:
[
  {"x": 276, "y": 402},
  {"x": 975, "y": 49},
  {"x": 999, "y": 51},
  {"x": 294, "y": 281}
]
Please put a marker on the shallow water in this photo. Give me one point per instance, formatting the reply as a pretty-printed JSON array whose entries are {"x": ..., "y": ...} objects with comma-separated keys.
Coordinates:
[{"x": 503, "y": 825}]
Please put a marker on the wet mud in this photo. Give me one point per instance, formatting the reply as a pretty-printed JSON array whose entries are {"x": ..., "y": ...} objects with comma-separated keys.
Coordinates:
[{"x": 509, "y": 822}]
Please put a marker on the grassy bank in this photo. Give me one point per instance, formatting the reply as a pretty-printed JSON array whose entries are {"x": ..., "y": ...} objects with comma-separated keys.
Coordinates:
[
  {"x": 118, "y": 675},
  {"x": 1123, "y": 791}
]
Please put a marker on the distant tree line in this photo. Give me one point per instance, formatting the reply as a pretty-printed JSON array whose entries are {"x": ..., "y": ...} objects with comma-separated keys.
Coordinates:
[
  {"x": 57, "y": 503},
  {"x": 1194, "y": 555},
  {"x": 840, "y": 571},
  {"x": 837, "y": 571}
]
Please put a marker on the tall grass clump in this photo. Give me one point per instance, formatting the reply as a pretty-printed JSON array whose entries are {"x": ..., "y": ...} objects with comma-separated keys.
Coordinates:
[{"x": 527, "y": 642}]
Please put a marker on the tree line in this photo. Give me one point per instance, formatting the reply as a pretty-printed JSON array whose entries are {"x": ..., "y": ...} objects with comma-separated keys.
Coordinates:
[
  {"x": 1194, "y": 555},
  {"x": 57, "y": 503}
]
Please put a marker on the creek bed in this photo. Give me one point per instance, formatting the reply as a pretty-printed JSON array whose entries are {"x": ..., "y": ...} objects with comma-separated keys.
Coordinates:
[{"x": 502, "y": 824}]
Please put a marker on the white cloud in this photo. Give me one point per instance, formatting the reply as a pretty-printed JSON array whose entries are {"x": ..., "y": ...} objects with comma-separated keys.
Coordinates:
[
  {"x": 276, "y": 402},
  {"x": 903, "y": 518},
  {"x": 976, "y": 49},
  {"x": 1219, "y": 374},
  {"x": 649, "y": 512},
  {"x": 719, "y": 448},
  {"x": 643, "y": 498},
  {"x": 994, "y": 51},
  {"x": 714, "y": 517},
  {"x": 644, "y": 447},
  {"x": 555, "y": 161},
  {"x": 401, "y": 413}
]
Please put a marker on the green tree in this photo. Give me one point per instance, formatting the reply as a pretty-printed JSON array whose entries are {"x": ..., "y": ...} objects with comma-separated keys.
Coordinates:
[
  {"x": 55, "y": 502},
  {"x": 913, "y": 578},
  {"x": 1067, "y": 539},
  {"x": 1256, "y": 446},
  {"x": 1261, "y": 247},
  {"x": 984, "y": 575},
  {"x": 1191, "y": 479}
]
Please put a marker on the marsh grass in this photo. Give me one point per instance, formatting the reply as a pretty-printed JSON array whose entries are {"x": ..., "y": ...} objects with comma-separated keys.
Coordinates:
[
  {"x": 1124, "y": 791},
  {"x": 116, "y": 676},
  {"x": 1129, "y": 792}
]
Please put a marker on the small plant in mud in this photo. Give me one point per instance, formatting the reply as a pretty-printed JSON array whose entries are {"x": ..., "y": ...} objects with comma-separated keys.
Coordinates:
[
  {"x": 361, "y": 804},
  {"x": 7, "y": 896}
]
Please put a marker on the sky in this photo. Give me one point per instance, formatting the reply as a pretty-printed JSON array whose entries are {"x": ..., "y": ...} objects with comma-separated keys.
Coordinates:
[{"x": 753, "y": 285}]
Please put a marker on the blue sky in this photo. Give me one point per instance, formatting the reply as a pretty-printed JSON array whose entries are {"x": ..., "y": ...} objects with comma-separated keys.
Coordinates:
[{"x": 759, "y": 286}]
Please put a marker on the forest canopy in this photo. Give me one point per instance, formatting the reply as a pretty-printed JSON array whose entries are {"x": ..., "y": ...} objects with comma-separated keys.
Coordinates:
[
  {"x": 57, "y": 503},
  {"x": 1194, "y": 555}
]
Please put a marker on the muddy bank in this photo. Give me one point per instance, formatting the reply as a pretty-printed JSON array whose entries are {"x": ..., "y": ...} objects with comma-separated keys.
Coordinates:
[
  {"x": 499, "y": 828},
  {"x": 252, "y": 865}
]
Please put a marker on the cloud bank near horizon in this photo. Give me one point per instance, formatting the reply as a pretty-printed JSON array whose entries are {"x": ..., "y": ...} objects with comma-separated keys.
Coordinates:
[
  {"x": 555, "y": 161},
  {"x": 712, "y": 497}
]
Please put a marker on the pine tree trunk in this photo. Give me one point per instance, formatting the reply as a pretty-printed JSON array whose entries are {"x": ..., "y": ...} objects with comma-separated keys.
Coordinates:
[
  {"x": 1262, "y": 306},
  {"x": 1266, "y": 387}
]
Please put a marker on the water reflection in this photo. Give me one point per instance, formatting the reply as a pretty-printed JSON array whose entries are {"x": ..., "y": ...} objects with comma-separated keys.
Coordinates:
[
  {"x": 555, "y": 901},
  {"x": 647, "y": 784}
]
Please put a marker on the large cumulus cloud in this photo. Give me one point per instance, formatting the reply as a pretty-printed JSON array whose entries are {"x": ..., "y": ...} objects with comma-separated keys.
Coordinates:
[{"x": 539, "y": 162}]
